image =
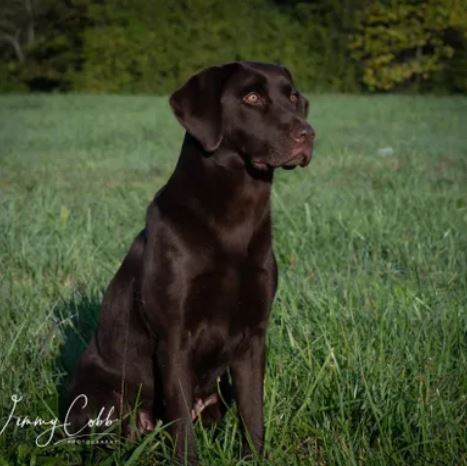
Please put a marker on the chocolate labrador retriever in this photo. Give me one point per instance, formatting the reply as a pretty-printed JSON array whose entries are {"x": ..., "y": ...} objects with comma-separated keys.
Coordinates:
[{"x": 186, "y": 313}]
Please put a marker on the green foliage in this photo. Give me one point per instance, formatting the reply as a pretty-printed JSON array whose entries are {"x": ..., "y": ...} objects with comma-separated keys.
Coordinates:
[
  {"x": 53, "y": 53},
  {"x": 154, "y": 48},
  {"x": 9, "y": 81},
  {"x": 145, "y": 46},
  {"x": 399, "y": 42},
  {"x": 324, "y": 31},
  {"x": 140, "y": 46}
]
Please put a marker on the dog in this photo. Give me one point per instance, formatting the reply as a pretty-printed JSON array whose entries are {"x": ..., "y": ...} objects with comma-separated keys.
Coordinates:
[{"x": 183, "y": 322}]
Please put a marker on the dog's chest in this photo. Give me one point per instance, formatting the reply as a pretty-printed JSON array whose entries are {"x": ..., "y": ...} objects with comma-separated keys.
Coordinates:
[
  {"x": 223, "y": 311},
  {"x": 235, "y": 298}
]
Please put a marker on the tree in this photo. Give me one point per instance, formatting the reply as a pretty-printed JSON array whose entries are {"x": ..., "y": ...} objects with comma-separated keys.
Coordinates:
[
  {"x": 17, "y": 26},
  {"x": 400, "y": 42}
]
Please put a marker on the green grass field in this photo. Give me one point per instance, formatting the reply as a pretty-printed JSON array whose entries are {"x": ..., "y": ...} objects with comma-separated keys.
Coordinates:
[{"x": 367, "y": 342}]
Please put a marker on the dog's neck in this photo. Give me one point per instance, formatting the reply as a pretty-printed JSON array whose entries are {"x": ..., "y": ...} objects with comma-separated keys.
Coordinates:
[
  {"x": 220, "y": 181},
  {"x": 224, "y": 164},
  {"x": 225, "y": 158}
]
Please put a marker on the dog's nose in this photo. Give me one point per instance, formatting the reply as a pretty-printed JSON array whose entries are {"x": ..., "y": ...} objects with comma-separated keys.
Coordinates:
[{"x": 304, "y": 133}]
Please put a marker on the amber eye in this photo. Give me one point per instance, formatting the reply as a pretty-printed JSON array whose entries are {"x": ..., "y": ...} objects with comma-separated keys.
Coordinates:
[
  {"x": 253, "y": 99},
  {"x": 293, "y": 98}
]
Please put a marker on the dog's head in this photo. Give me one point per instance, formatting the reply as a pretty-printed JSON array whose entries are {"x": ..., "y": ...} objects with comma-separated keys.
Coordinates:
[{"x": 252, "y": 108}]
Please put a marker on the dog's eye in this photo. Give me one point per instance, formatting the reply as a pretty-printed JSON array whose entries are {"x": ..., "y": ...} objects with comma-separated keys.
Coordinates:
[
  {"x": 253, "y": 99},
  {"x": 293, "y": 98}
]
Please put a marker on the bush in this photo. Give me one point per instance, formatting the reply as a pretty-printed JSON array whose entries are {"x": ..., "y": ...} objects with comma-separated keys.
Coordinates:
[
  {"x": 155, "y": 48},
  {"x": 140, "y": 46}
]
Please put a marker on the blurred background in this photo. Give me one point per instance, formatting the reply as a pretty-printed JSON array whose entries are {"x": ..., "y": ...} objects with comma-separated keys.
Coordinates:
[{"x": 141, "y": 46}]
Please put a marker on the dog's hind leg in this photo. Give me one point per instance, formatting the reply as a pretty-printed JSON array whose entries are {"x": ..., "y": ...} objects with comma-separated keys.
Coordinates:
[{"x": 121, "y": 351}]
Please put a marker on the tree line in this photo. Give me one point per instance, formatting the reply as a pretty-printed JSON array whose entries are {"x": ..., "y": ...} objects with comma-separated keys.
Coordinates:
[{"x": 154, "y": 45}]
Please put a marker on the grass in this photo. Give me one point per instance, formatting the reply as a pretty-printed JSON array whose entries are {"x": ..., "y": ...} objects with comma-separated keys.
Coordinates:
[{"x": 367, "y": 342}]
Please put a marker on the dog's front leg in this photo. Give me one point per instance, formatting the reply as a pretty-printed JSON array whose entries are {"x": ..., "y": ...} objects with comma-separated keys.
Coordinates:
[
  {"x": 248, "y": 378},
  {"x": 178, "y": 396}
]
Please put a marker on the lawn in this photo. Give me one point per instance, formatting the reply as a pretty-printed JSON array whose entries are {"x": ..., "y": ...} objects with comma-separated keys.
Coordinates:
[{"x": 367, "y": 342}]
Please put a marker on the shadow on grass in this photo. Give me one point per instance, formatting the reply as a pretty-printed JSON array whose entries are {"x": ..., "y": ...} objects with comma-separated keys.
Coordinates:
[{"x": 78, "y": 317}]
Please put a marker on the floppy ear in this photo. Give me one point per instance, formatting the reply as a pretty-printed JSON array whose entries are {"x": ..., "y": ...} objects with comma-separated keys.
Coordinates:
[{"x": 197, "y": 105}]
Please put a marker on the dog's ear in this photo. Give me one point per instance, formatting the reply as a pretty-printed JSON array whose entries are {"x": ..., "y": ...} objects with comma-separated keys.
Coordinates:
[
  {"x": 197, "y": 105},
  {"x": 302, "y": 100}
]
